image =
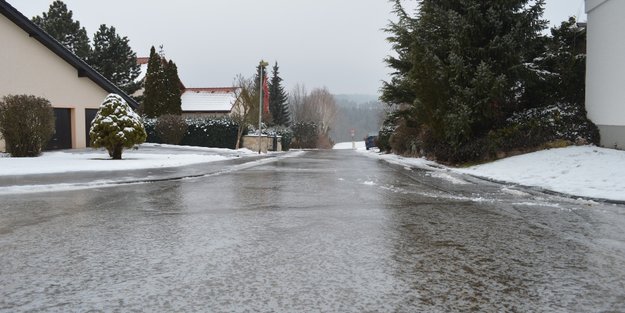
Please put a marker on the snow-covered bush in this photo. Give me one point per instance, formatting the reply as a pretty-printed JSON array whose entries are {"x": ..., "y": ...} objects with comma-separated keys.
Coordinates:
[
  {"x": 545, "y": 127},
  {"x": 384, "y": 137},
  {"x": 116, "y": 126},
  {"x": 171, "y": 128},
  {"x": 26, "y": 123},
  {"x": 539, "y": 126}
]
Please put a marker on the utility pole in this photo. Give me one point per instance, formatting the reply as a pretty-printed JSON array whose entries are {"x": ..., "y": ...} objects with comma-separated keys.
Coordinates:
[{"x": 260, "y": 103}]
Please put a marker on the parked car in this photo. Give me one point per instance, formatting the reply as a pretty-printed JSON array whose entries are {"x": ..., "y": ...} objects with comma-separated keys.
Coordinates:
[{"x": 371, "y": 140}]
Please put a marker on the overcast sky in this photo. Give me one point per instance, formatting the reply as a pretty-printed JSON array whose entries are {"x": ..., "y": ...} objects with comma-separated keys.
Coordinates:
[{"x": 334, "y": 43}]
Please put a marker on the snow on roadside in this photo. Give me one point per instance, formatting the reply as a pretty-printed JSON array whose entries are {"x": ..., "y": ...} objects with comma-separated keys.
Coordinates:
[
  {"x": 166, "y": 147},
  {"x": 360, "y": 145},
  {"x": 98, "y": 160},
  {"x": 584, "y": 171}
]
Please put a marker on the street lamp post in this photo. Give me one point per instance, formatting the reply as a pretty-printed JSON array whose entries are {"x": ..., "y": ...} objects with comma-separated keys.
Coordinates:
[{"x": 260, "y": 102}]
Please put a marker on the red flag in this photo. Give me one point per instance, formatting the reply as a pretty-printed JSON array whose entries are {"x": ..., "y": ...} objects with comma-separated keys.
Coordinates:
[{"x": 265, "y": 95}]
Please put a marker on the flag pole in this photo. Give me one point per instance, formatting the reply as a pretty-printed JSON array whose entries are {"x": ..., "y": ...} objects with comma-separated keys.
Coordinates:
[
  {"x": 260, "y": 104},
  {"x": 261, "y": 81}
]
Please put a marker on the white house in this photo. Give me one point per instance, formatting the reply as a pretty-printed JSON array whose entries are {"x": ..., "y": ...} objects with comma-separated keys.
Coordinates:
[
  {"x": 605, "y": 74},
  {"x": 34, "y": 63},
  {"x": 198, "y": 102}
]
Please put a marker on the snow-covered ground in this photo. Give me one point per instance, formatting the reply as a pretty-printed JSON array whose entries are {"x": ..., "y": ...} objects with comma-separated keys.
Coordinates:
[
  {"x": 147, "y": 156},
  {"x": 584, "y": 171},
  {"x": 360, "y": 145}
]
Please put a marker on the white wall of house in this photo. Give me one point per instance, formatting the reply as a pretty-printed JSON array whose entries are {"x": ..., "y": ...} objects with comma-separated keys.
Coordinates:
[
  {"x": 28, "y": 67},
  {"x": 605, "y": 78}
]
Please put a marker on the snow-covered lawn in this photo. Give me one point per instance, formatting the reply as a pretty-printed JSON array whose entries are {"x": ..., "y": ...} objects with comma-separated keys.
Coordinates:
[
  {"x": 584, "y": 171},
  {"x": 147, "y": 156}
]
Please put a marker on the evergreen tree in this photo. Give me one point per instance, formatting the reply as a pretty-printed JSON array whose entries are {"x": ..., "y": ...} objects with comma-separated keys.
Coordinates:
[
  {"x": 564, "y": 63},
  {"x": 460, "y": 64},
  {"x": 114, "y": 59},
  {"x": 58, "y": 22},
  {"x": 173, "y": 103},
  {"x": 162, "y": 93},
  {"x": 278, "y": 100},
  {"x": 400, "y": 90},
  {"x": 116, "y": 126},
  {"x": 154, "y": 93},
  {"x": 267, "y": 118}
]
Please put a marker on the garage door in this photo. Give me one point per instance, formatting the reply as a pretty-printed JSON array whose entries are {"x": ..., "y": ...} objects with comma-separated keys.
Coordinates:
[
  {"x": 62, "y": 138},
  {"x": 89, "y": 116}
]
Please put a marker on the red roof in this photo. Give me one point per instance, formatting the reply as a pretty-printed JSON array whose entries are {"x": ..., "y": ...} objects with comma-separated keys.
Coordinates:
[{"x": 142, "y": 60}]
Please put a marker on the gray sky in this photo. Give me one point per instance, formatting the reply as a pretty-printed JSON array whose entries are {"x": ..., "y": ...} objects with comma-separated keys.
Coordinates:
[{"x": 334, "y": 43}]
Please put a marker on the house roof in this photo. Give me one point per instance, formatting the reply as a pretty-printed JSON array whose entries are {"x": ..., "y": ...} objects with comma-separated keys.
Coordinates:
[
  {"x": 82, "y": 68},
  {"x": 208, "y": 100},
  {"x": 143, "y": 67}
]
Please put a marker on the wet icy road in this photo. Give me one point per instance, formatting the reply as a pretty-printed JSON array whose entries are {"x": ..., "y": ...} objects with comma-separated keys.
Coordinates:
[{"x": 328, "y": 231}]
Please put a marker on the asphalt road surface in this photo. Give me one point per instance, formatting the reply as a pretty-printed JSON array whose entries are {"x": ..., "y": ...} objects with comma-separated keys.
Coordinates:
[{"x": 322, "y": 231}]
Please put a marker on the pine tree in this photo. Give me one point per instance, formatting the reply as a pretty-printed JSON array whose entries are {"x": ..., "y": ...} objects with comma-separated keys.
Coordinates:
[
  {"x": 153, "y": 94},
  {"x": 114, "y": 59},
  {"x": 565, "y": 61},
  {"x": 173, "y": 103},
  {"x": 58, "y": 22},
  {"x": 162, "y": 93},
  {"x": 461, "y": 64},
  {"x": 266, "y": 117},
  {"x": 278, "y": 100},
  {"x": 116, "y": 126},
  {"x": 400, "y": 90}
]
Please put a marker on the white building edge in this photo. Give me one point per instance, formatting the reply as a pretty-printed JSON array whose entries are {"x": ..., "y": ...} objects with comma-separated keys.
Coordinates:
[{"x": 605, "y": 73}]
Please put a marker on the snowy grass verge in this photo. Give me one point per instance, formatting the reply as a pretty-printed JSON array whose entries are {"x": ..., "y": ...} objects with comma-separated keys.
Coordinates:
[
  {"x": 147, "y": 156},
  {"x": 59, "y": 187},
  {"x": 584, "y": 171}
]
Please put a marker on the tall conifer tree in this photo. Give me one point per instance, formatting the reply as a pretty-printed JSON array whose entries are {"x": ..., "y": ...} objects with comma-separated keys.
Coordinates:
[
  {"x": 267, "y": 118},
  {"x": 153, "y": 94},
  {"x": 278, "y": 99},
  {"x": 58, "y": 22},
  {"x": 172, "y": 87},
  {"x": 114, "y": 59},
  {"x": 461, "y": 64}
]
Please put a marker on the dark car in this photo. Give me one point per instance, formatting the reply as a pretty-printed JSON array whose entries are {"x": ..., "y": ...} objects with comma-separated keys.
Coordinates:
[{"x": 371, "y": 140}]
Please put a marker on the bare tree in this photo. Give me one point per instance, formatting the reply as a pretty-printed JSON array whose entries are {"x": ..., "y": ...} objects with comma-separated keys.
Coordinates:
[
  {"x": 297, "y": 97},
  {"x": 245, "y": 104},
  {"x": 321, "y": 106},
  {"x": 318, "y": 106}
]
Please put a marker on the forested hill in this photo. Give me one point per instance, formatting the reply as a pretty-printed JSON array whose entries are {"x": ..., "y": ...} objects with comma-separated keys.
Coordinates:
[{"x": 363, "y": 113}]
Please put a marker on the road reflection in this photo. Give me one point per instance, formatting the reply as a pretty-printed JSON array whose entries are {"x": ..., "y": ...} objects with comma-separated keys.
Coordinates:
[{"x": 327, "y": 231}]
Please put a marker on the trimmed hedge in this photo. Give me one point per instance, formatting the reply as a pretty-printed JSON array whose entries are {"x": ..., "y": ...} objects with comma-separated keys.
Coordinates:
[
  {"x": 171, "y": 128},
  {"x": 305, "y": 135},
  {"x": 201, "y": 132}
]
